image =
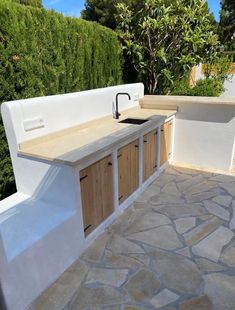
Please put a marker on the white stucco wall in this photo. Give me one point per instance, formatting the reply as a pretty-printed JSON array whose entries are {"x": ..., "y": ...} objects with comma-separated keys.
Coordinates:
[
  {"x": 41, "y": 227},
  {"x": 229, "y": 88},
  {"x": 204, "y": 130}
]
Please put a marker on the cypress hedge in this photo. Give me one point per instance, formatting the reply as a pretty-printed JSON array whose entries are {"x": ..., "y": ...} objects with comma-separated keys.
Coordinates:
[{"x": 44, "y": 53}]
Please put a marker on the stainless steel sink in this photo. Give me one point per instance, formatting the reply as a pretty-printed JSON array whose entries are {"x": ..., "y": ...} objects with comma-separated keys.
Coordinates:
[{"x": 134, "y": 121}]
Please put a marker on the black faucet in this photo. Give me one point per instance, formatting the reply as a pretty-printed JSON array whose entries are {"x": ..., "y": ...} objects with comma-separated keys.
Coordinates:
[{"x": 117, "y": 114}]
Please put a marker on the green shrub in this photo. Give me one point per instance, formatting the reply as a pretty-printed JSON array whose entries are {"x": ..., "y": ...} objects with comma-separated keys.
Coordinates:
[
  {"x": 181, "y": 88},
  {"x": 44, "y": 53},
  {"x": 37, "y": 3},
  {"x": 209, "y": 87}
]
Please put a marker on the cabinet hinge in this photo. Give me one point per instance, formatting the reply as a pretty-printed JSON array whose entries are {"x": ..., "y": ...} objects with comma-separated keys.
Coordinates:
[
  {"x": 136, "y": 145},
  {"x": 120, "y": 197},
  {"x": 82, "y": 178},
  {"x": 119, "y": 155},
  {"x": 86, "y": 228}
]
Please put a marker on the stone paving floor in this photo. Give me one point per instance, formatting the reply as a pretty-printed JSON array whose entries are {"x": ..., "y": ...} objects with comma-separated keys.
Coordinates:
[{"x": 174, "y": 248}]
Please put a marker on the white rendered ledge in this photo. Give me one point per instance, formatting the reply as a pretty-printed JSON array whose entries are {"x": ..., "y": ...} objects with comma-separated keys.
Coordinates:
[
  {"x": 25, "y": 220},
  {"x": 148, "y": 99}
]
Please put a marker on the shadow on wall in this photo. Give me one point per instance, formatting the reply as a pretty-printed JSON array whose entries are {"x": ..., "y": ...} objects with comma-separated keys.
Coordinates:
[
  {"x": 213, "y": 113},
  {"x": 2, "y": 300},
  {"x": 30, "y": 220}
]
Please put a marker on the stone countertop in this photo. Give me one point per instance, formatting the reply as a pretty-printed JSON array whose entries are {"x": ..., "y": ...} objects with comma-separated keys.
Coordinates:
[
  {"x": 175, "y": 100},
  {"x": 72, "y": 145}
]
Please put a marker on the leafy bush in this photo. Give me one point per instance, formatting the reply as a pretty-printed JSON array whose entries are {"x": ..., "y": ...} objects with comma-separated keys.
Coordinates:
[
  {"x": 44, "y": 53},
  {"x": 209, "y": 87},
  {"x": 37, "y": 3}
]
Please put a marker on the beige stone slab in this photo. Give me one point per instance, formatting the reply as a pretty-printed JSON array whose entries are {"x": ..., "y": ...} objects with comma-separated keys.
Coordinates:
[
  {"x": 61, "y": 292},
  {"x": 221, "y": 290},
  {"x": 202, "y": 303},
  {"x": 158, "y": 100},
  {"x": 69, "y": 145},
  {"x": 212, "y": 245},
  {"x": 201, "y": 231},
  {"x": 142, "y": 285}
]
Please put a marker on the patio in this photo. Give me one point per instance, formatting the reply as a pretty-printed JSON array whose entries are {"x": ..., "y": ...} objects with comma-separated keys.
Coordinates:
[{"x": 174, "y": 248}]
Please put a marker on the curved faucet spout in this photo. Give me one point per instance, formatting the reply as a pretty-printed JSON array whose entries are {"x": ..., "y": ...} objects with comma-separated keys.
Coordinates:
[{"x": 117, "y": 114}]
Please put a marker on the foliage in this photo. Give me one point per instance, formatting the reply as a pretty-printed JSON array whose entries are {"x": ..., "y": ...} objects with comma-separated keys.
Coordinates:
[
  {"x": 44, "y": 53},
  {"x": 208, "y": 87},
  {"x": 227, "y": 25},
  {"x": 7, "y": 183},
  {"x": 165, "y": 39},
  {"x": 104, "y": 11},
  {"x": 219, "y": 68},
  {"x": 36, "y": 3}
]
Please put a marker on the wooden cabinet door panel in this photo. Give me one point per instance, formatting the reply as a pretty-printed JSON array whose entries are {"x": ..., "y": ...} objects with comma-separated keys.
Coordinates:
[
  {"x": 166, "y": 142},
  {"x": 123, "y": 175},
  {"x": 128, "y": 170},
  {"x": 134, "y": 166},
  {"x": 106, "y": 181},
  {"x": 96, "y": 183},
  {"x": 89, "y": 193},
  {"x": 149, "y": 154}
]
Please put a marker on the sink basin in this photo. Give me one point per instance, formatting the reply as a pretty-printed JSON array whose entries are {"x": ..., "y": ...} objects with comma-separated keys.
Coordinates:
[{"x": 134, "y": 121}]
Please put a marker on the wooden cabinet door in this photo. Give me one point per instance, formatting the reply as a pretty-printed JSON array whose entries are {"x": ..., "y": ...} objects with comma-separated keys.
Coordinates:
[
  {"x": 166, "y": 142},
  {"x": 96, "y": 183},
  {"x": 128, "y": 170},
  {"x": 149, "y": 154}
]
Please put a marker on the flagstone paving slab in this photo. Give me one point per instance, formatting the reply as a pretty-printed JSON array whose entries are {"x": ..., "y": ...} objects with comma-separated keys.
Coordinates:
[
  {"x": 223, "y": 200},
  {"x": 97, "y": 296},
  {"x": 163, "y": 198},
  {"x": 229, "y": 187},
  {"x": 120, "y": 245},
  {"x": 217, "y": 210},
  {"x": 228, "y": 256},
  {"x": 94, "y": 254},
  {"x": 121, "y": 261},
  {"x": 198, "y": 303},
  {"x": 212, "y": 245},
  {"x": 220, "y": 288},
  {"x": 142, "y": 285},
  {"x": 223, "y": 178},
  {"x": 107, "y": 276},
  {"x": 184, "y": 224},
  {"x": 177, "y": 273},
  {"x": 186, "y": 185},
  {"x": 185, "y": 252},
  {"x": 207, "y": 266},
  {"x": 201, "y": 231},
  {"x": 173, "y": 248},
  {"x": 147, "y": 221},
  {"x": 165, "y": 297},
  {"x": 163, "y": 237},
  {"x": 171, "y": 188},
  {"x": 232, "y": 222},
  {"x": 175, "y": 211},
  {"x": 202, "y": 196}
]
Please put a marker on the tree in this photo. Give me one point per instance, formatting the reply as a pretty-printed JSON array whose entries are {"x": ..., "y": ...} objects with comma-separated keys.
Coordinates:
[
  {"x": 227, "y": 25},
  {"x": 165, "y": 39},
  {"x": 104, "y": 11},
  {"x": 37, "y": 3}
]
